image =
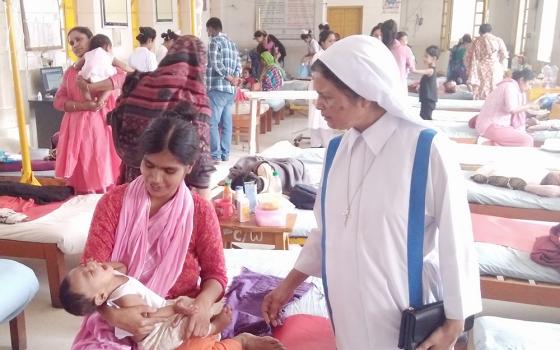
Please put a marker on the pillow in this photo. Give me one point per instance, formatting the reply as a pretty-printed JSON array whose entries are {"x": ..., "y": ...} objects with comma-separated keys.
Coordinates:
[
  {"x": 514, "y": 176},
  {"x": 306, "y": 332}
]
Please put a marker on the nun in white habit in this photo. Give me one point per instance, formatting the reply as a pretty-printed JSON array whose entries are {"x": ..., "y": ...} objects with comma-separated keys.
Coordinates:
[{"x": 366, "y": 209}]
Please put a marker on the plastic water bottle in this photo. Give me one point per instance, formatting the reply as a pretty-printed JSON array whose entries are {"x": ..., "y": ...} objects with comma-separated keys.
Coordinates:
[
  {"x": 39, "y": 96},
  {"x": 275, "y": 184}
]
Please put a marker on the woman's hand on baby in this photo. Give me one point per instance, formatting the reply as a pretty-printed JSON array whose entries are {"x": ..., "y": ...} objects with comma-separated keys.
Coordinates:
[
  {"x": 198, "y": 324},
  {"x": 134, "y": 319}
]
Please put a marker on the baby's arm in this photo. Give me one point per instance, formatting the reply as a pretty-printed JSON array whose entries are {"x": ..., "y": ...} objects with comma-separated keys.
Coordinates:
[
  {"x": 131, "y": 300},
  {"x": 80, "y": 64},
  {"x": 122, "y": 65}
]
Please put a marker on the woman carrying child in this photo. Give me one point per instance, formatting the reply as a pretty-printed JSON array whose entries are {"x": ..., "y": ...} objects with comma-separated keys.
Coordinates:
[
  {"x": 168, "y": 237},
  {"x": 86, "y": 157}
]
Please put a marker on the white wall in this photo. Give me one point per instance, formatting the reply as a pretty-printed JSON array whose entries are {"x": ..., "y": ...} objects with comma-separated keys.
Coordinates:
[
  {"x": 147, "y": 18},
  {"x": 238, "y": 21},
  {"x": 503, "y": 18},
  {"x": 426, "y": 34}
]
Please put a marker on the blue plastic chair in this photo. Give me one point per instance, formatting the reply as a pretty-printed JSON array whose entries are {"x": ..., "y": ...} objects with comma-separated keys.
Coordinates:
[{"x": 18, "y": 285}]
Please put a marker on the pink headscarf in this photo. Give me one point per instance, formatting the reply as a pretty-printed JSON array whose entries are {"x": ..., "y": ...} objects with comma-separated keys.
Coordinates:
[{"x": 154, "y": 249}]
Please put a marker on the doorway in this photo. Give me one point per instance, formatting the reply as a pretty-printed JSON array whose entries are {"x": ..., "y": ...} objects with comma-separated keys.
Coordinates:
[{"x": 345, "y": 20}]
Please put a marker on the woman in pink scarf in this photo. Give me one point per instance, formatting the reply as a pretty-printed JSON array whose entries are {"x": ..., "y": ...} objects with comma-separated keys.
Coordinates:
[
  {"x": 502, "y": 118},
  {"x": 167, "y": 237}
]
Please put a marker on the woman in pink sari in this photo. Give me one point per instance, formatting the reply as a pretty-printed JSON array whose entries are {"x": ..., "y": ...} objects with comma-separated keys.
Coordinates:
[
  {"x": 86, "y": 157},
  {"x": 168, "y": 237}
]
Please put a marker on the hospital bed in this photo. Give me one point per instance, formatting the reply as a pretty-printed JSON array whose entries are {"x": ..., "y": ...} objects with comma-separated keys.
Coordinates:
[
  {"x": 450, "y": 104},
  {"x": 496, "y": 333},
  {"x": 484, "y": 199},
  {"x": 497, "y": 201},
  {"x": 471, "y": 157},
  {"x": 460, "y": 131},
  {"x": 507, "y": 271},
  {"x": 62, "y": 231}
]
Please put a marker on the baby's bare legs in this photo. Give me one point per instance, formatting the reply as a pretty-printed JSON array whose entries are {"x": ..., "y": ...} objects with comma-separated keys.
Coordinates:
[
  {"x": 219, "y": 322},
  {"x": 252, "y": 342}
]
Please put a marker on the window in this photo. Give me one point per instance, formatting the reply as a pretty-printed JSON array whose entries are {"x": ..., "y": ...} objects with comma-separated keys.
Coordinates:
[
  {"x": 547, "y": 29},
  {"x": 480, "y": 13},
  {"x": 522, "y": 21},
  {"x": 446, "y": 24},
  {"x": 464, "y": 16},
  {"x": 42, "y": 26}
]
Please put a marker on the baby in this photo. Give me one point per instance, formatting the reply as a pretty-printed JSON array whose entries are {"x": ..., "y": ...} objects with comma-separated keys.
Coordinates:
[
  {"x": 99, "y": 64},
  {"x": 93, "y": 284}
]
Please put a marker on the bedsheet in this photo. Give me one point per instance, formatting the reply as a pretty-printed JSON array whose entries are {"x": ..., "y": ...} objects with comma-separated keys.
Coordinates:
[
  {"x": 471, "y": 154},
  {"x": 450, "y": 104},
  {"x": 495, "y": 333},
  {"x": 460, "y": 129},
  {"x": 278, "y": 263},
  {"x": 66, "y": 226},
  {"x": 493, "y": 195},
  {"x": 455, "y": 129},
  {"x": 497, "y": 260}
]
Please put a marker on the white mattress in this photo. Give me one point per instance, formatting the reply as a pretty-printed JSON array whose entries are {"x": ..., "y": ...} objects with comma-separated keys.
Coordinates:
[
  {"x": 497, "y": 260},
  {"x": 66, "y": 226},
  {"x": 278, "y": 263},
  {"x": 494, "y": 195},
  {"x": 460, "y": 129},
  {"x": 455, "y": 129},
  {"x": 450, "y": 104},
  {"x": 305, "y": 222},
  {"x": 470, "y": 154},
  {"x": 455, "y": 116},
  {"x": 495, "y": 333}
]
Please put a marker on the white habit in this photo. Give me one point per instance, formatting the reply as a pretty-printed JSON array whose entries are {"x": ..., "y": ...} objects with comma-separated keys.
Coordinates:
[{"x": 366, "y": 261}]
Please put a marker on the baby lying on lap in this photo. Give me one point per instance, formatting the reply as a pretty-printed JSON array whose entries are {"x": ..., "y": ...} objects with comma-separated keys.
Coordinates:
[{"x": 93, "y": 284}]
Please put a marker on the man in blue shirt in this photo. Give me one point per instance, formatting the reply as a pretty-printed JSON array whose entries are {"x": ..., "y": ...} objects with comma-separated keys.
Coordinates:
[{"x": 222, "y": 76}]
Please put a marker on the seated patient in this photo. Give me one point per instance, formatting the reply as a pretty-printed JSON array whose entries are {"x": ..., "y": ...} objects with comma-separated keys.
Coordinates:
[
  {"x": 92, "y": 284},
  {"x": 99, "y": 64},
  {"x": 502, "y": 118}
]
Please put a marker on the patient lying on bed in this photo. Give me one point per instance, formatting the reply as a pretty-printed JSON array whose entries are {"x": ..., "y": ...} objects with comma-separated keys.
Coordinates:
[{"x": 93, "y": 284}]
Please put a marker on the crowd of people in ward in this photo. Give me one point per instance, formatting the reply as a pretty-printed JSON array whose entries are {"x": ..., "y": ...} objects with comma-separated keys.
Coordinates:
[{"x": 152, "y": 137}]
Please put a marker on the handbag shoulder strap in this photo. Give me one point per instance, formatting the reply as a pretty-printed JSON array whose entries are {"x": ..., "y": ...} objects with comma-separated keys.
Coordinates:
[
  {"x": 329, "y": 157},
  {"x": 416, "y": 213}
]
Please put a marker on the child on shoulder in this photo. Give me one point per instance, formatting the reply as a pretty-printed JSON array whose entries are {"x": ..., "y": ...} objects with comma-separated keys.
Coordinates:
[{"x": 99, "y": 64}]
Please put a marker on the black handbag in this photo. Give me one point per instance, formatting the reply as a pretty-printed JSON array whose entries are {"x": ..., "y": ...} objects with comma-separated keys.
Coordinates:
[
  {"x": 418, "y": 324},
  {"x": 419, "y": 320}
]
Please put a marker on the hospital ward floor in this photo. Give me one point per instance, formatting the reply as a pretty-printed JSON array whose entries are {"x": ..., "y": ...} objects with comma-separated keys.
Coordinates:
[{"x": 49, "y": 328}]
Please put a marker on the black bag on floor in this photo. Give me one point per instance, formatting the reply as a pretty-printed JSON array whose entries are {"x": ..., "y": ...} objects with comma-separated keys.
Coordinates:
[{"x": 303, "y": 196}]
